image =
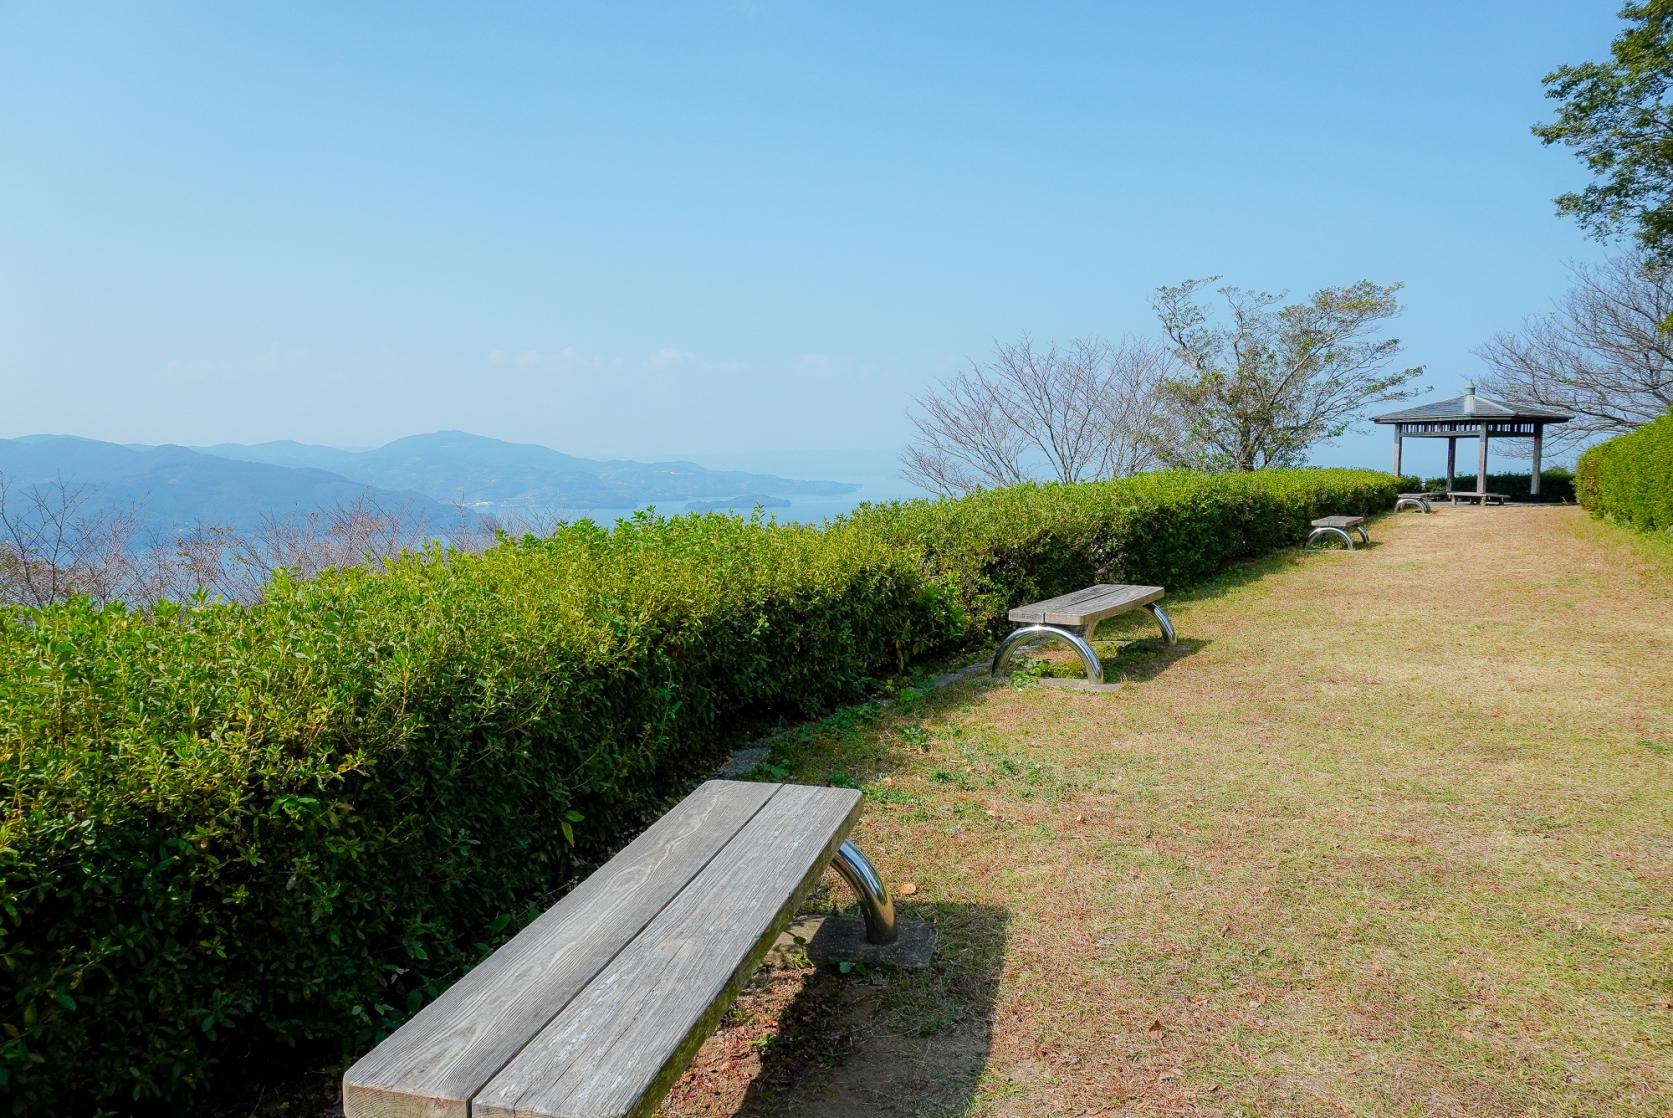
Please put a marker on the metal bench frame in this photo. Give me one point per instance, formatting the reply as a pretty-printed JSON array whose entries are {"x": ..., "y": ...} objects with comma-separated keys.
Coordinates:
[
  {"x": 1412, "y": 501},
  {"x": 1339, "y": 533},
  {"x": 876, "y": 905},
  {"x": 1079, "y": 637}
]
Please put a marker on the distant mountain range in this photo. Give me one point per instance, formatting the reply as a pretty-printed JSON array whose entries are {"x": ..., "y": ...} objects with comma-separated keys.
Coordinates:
[
  {"x": 489, "y": 475},
  {"x": 428, "y": 477}
]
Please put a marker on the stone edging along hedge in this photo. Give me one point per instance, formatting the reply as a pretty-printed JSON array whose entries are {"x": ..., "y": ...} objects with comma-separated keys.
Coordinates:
[{"x": 283, "y": 828}]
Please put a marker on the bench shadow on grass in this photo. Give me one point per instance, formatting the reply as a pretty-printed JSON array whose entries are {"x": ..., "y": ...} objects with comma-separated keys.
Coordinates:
[
  {"x": 1144, "y": 660},
  {"x": 885, "y": 1041},
  {"x": 1124, "y": 660}
]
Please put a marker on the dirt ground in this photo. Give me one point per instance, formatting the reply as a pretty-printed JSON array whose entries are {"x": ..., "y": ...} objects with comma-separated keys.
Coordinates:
[{"x": 1387, "y": 833}]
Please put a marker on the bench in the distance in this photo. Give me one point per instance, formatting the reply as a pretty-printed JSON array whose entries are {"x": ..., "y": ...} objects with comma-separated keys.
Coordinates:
[
  {"x": 1074, "y": 618},
  {"x": 1474, "y": 498},
  {"x": 1338, "y": 526},
  {"x": 594, "y": 1010},
  {"x": 1416, "y": 501}
]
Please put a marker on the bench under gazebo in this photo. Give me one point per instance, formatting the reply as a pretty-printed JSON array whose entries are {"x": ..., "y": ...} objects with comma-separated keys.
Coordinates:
[{"x": 1471, "y": 416}]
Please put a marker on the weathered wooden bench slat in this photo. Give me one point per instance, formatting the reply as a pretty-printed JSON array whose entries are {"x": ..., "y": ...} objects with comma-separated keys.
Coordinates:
[
  {"x": 1086, "y": 607},
  {"x": 437, "y": 1061},
  {"x": 1338, "y": 521},
  {"x": 614, "y": 1050}
]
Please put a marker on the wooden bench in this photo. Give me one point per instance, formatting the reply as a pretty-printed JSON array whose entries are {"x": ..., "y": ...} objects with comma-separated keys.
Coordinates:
[
  {"x": 1456, "y": 495},
  {"x": 1074, "y": 617},
  {"x": 1337, "y": 526},
  {"x": 1418, "y": 501},
  {"x": 594, "y": 1010}
]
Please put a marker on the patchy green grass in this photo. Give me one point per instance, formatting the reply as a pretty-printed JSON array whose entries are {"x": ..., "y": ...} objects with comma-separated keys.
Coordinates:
[{"x": 1388, "y": 833}]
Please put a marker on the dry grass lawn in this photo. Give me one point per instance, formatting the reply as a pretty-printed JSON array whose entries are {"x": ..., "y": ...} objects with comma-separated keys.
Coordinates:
[{"x": 1388, "y": 833}]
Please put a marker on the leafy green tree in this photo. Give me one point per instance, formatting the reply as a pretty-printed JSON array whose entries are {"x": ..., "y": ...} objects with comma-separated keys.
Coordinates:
[
  {"x": 1274, "y": 380},
  {"x": 1617, "y": 117}
]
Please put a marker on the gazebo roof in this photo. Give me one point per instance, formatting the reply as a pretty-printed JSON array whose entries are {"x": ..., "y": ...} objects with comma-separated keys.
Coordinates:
[{"x": 1471, "y": 406}]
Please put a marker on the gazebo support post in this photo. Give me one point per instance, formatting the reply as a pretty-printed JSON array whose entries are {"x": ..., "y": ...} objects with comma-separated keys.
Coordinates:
[
  {"x": 1481, "y": 463},
  {"x": 1539, "y": 445},
  {"x": 1451, "y": 463},
  {"x": 1396, "y": 450}
]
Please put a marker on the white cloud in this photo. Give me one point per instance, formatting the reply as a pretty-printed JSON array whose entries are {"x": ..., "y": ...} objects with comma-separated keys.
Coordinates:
[
  {"x": 566, "y": 358},
  {"x": 667, "y": 357}
]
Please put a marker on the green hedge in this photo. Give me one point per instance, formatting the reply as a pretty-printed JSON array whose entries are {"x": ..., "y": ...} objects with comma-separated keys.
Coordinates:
[
  {"x": 1003, "y": 547},
  {"x": 1630, "y": 477},
  {"x": 1555, "y": 484},
  {"x": 283, "y": 828}
]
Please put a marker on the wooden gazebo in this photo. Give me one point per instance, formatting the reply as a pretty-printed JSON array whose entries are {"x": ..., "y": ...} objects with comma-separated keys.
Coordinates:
[{"x": 1473, "y": 417}]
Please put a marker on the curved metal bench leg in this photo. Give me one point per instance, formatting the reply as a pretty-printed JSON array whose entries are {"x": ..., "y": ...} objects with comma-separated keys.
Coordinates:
[
  {"x": 875, "y": 902},
  {"x": 1088, "y": 658},
  {"x": 1317, "y": 532},
  {"x": 1161, "y": 616},
  {"x": 1363, "y": 534}
]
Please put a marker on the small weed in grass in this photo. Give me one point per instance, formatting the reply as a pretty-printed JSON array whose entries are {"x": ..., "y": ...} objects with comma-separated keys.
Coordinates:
[
  {"x": 891, "y": 794},
  {"x": 774, "y": 772},
  {"x": 1028, "y": 670}
]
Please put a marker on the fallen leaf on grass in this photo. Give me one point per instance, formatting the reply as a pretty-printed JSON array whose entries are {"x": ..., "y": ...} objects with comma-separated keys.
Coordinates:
[
  {"x": 1157, "y": 1030},
  {"x": 907, "y": 890}
]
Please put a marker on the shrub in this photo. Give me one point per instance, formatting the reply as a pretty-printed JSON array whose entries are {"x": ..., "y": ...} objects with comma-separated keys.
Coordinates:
[
  {"x": 285, "y": 827},
  {"x": 1630, "y": 477},
  {"x": 288, "y": 823},
  {"x": 999, "y": 548},
  {"x": 1555, "y": 484}
]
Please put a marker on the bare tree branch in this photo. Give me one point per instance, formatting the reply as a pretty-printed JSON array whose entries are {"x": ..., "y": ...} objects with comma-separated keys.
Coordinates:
[
  {"x": 54, "y": 544},
  {"x": 1601, "y": 355},
  {"x": 1083, "y": 412}
]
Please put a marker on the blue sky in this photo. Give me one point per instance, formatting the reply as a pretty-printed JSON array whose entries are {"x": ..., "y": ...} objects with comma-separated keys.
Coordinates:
[{"x": 741, "y": 232}]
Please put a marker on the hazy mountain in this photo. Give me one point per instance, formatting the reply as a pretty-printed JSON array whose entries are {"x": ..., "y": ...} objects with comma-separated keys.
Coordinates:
[
  {"x": 491, "y": 475},
  {"x": 173, "y": 486},
  {"x": 425, "y": 477}
]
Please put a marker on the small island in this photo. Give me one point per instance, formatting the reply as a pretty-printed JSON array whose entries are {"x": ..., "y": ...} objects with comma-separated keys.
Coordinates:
[{"x": 745, "y": 503}]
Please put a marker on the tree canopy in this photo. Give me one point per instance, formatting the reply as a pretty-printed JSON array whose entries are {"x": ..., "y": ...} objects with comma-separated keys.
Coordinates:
[
  {"x": 1617, "y": 118},
  {"x": 1275, "y": 380}
]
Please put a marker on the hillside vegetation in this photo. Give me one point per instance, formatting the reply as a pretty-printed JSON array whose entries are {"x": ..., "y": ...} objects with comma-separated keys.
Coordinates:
[{"x": 292, "y": 824}]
